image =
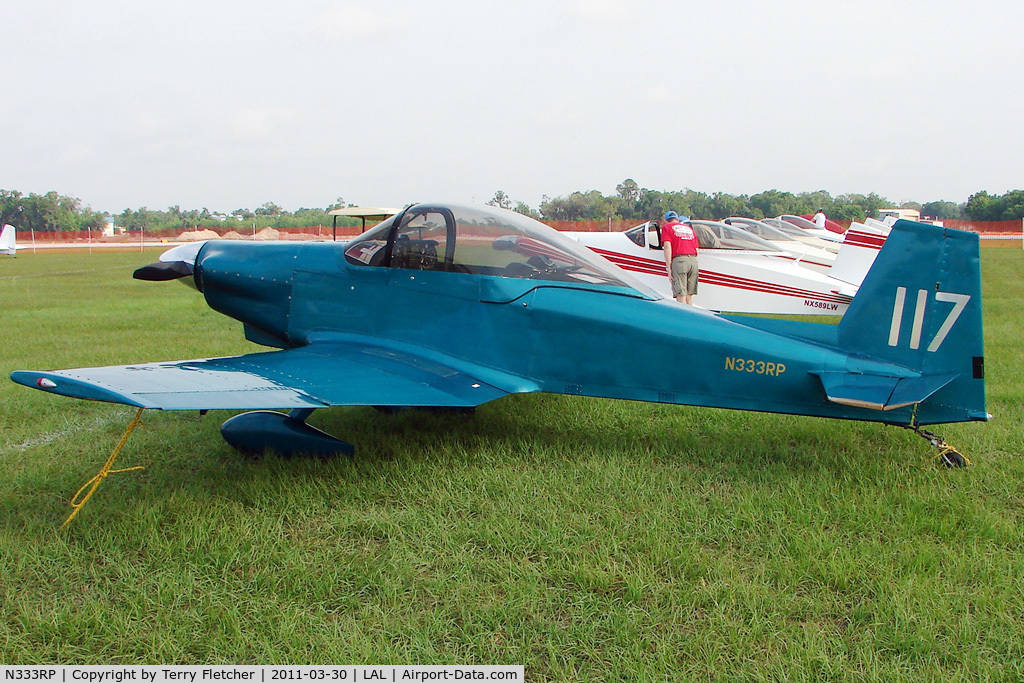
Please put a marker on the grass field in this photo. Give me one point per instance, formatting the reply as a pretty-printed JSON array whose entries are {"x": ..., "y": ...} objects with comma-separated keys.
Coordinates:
[{"x": 585, "y": 539}]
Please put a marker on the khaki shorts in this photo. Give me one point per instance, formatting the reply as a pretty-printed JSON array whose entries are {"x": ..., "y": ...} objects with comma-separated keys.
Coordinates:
[{"x": 684, "y": 275}]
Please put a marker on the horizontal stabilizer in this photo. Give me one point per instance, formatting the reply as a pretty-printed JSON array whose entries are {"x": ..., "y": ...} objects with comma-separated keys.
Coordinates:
[{"x": 878, "y": 392}]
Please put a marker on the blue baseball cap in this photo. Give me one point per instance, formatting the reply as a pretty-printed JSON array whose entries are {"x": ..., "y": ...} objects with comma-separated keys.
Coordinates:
[
  {"x": 683, "y": 219},
  {"x": 671, "y": 215}
]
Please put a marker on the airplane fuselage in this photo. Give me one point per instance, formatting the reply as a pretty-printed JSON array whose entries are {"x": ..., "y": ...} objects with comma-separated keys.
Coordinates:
[{"x": 521, "y": 331}]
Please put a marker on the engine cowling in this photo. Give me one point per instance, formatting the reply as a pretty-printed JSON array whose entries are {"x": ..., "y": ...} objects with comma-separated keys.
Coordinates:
[{"x": 249, "y": 281}]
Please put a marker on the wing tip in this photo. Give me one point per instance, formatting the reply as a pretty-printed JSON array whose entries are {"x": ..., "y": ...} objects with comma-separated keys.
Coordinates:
[{"x": 55, "y": 383}]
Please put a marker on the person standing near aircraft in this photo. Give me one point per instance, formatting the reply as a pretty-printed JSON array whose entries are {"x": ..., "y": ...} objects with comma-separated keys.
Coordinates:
[
  {"x": 819, "y": 219},
  {"x": 680, "y": 245}
]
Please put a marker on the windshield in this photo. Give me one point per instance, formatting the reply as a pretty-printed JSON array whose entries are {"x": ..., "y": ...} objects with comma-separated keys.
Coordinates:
[
  {"x": 715, "y": 235},
  {"x": 762, "y": 230},
  {"x": 483, "y": 241},
  {"x": 799, "y": 221},
  {"x": 786, "y": 227},
  {"x": 653, "y": 235}
]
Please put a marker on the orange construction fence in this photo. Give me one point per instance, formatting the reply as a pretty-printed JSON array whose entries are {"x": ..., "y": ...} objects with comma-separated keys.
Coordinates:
[{"x": 994, "y": 231}]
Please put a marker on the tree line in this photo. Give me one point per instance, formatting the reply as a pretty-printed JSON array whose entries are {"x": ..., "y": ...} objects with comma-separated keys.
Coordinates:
[
  {"x": 52, "y": 212},
  {"x": 984, "y": 207},
  {"x": 266, "y": 215},
  {"x": 631, "y": 201}
]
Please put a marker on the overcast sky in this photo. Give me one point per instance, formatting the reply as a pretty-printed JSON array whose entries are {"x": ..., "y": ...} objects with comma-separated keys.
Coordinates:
[{"x": 229, "y": 104}]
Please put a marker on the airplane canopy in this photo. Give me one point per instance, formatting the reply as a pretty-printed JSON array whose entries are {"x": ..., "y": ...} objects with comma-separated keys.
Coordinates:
[{"x": 483, "y": 241}]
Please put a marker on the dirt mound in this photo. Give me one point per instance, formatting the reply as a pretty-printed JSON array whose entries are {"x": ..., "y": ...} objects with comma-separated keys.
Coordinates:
[
  {"x": 196, "y": 235},
  {"x": 268, "y": 233},
  {"x": 232, "y": 235}
]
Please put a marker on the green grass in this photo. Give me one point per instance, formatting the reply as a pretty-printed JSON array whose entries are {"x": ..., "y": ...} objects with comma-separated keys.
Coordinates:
[{"x": 585, "y": 539}]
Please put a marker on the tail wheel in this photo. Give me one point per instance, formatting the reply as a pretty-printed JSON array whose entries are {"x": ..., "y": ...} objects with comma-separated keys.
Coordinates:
[{"x": 951, "y": 458}]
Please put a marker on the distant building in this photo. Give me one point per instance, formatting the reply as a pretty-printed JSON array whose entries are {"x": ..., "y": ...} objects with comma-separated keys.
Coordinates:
[
  {"x": 900, "y": 214},
  {"x": 907, "y": 215},
  {"x": 109, "y": 229}
]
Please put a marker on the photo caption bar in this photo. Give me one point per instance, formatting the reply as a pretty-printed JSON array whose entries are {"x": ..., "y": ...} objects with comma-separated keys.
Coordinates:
[{"x": 258, "y": 674}]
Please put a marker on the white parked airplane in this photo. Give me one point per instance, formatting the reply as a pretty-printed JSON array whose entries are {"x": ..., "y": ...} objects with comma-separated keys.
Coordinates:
[
  {"x": 811, "y": 227},
  {"x": 738, "y": 272},
  {"x": 808, "y": 250},
  {"x": 819, "y": 238},
  {"x": 861, "y": 245},
  {"x": 7, "y": 245}
]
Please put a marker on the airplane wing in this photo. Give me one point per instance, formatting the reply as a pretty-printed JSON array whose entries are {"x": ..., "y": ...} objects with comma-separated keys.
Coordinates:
[{"x": 314, "y": 376}]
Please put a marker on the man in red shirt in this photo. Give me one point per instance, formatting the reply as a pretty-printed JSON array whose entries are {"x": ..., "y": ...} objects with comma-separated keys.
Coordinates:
[{"x": 680, "y": 244}]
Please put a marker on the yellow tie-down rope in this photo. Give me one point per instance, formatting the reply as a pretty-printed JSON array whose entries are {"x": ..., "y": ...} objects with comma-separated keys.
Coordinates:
[
  {"x": 94, "y": 483},
  {"x": 934, "y": 439}
]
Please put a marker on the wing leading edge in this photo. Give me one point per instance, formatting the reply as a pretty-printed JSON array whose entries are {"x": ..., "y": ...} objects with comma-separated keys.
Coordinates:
[{"x": 315, "y": 376}]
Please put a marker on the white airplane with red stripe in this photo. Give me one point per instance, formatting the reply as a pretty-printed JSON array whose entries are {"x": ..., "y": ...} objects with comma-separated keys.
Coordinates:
[
  {"x": 861, "y": 245},
  {"x": 738, "y": 271}
]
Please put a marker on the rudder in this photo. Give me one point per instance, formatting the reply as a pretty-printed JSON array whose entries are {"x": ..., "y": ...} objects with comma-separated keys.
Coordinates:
[
  {"x": 7, "y": 240},
  {"x": 920, "y": 307}
]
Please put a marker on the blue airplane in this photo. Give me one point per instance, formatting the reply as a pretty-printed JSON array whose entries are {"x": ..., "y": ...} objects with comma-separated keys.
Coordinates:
[{"x": 450, "y": 306}]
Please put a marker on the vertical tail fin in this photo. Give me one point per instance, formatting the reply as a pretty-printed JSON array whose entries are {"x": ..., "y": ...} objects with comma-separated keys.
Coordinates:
[
  {"x": 920, "y": 307},
  {"x": 7, "y": 237},
  {"x": 861, "y": 245}
]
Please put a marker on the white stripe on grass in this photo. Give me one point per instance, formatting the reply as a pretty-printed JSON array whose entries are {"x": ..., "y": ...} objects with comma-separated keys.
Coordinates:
[{"x": 76, "y": 426}]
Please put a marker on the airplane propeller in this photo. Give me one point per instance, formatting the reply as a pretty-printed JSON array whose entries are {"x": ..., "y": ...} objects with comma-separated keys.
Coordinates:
[{"x": 174, "y": 263}]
